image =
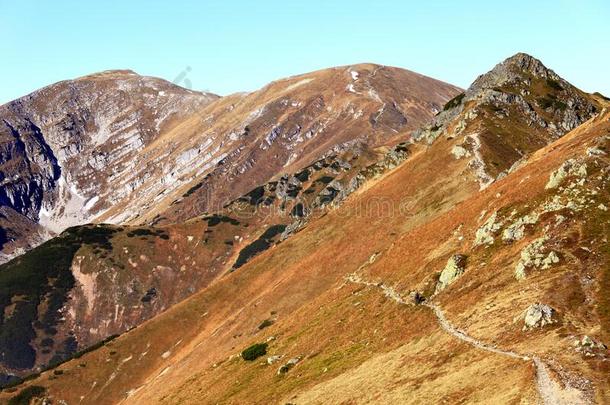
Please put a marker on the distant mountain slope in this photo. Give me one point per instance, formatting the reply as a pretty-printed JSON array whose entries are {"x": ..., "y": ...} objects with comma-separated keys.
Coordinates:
[
  {"x": 290, "y": 123},
  {"x": 117, "y": 147},
  {"x": 116, "y": 277},
  {"x": 511, "y": 269},
  {"x": 73, "y": 149}
]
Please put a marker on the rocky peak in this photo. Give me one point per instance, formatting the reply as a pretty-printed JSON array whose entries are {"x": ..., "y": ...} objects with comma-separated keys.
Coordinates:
[
  {"x": 507, "y": 113},
  {"x": 517, "y": 68}
]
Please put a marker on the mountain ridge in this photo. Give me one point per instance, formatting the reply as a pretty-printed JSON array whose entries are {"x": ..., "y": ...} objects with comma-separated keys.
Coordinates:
[
  {"x": 152, "y": 126},
  {"x": 265, "y": 128},
  {"x": 480, "y": 214}
]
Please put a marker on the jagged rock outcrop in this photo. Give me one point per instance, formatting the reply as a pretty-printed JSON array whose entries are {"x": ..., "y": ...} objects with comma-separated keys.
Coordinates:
[
  {"x": 569, "y": 168},
  {"x": 508, "y": 113},
  {"x": 589, "y": 347},
  {"x": 516, "y": 230},
  {"x": 535, "y": 255},
  {"x": 486, "y": 233},
  {"x": 455, "y": 267},
  {"x": 538, "y": 316}
]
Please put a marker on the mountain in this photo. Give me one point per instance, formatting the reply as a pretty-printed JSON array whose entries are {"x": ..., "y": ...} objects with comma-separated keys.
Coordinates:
[
  {"x": 72, "y": 149},
  {"x": 263, "y": 163},
  {"x": 466, "y": 265},
  {"x": 119, "y": 148},
  {"x": 293, "y": 122},
  {"x": 508, "y": 113}
]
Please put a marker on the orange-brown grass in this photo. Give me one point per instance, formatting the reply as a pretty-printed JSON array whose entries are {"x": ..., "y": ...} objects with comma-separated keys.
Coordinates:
[{"x": 333, "y": 326}]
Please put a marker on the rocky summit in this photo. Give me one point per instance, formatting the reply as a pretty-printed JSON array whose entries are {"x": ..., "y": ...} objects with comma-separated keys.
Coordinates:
[{"x": 358, "y": 234}]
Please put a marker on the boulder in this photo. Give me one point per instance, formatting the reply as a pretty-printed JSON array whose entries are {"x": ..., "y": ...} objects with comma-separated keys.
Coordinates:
[
  {"x": 570, "y": 167},
  {"x": 289, "y": 364},
  {"x": 485, "y": 234},
  {"x": 453, "y": 269},
  {"x": 537, "y": 316},
  {"x": 590, "y": 347},
  {"x": 459, "y": 152}
]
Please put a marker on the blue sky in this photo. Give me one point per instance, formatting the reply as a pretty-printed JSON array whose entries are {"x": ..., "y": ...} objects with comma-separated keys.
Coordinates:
[{"x": 237, "y": 45}]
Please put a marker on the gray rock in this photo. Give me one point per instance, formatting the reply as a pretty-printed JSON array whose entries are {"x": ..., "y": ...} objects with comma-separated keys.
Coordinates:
[
  {"x": 516, "y": 230},
  {"x": 289, "y": 364},
  {"x": 535, "y": 255},
  {"x": 538, "y": 316},
  {"x": 459, "y": 152},
  {"x": 589, "y": 347},
  {"x": 570, "y": 167},
  {"x": 454, "y": 268},
  {"x": 485, "y": 234},
  {"x": 595, "y": 152}
]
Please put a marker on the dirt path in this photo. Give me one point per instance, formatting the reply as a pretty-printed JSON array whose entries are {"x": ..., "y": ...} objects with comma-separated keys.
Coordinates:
[
  {"x": 452, "y": 330},
  {"x": 550, "y": 391}
]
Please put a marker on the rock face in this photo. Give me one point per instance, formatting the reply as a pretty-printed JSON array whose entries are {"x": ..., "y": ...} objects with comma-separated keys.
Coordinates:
[
  {"x": 538, "y": 316},
  {"x": 570, "y": 167},
  {"x": 116, "y": 147},
  {"x": 535, "y": 255},
  {"x": 455, "y": 268},
  {"x": 508, "y": 113},
  {"x": 70, "y": 151}
]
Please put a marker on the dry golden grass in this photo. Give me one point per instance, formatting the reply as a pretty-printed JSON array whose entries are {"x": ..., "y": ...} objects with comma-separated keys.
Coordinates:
[{"x": 358, "y": 346}]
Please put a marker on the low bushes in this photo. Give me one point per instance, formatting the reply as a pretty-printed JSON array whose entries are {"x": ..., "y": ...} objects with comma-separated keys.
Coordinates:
[
  {"x": 265, "y": 324},
  {"x": 254, "y": 352},
  {"x": 26, "y": 395}
]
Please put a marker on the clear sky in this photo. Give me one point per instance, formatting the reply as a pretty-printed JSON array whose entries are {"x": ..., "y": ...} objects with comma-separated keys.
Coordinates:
[{"x": 241, "y": 45}]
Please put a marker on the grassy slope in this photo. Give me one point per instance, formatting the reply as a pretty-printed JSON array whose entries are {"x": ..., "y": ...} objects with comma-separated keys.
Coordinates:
[{"x": 338, "y": 329}]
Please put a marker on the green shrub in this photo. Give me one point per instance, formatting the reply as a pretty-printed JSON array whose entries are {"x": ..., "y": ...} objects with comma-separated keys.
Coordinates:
[
  {"x": 254, "y": 352},
  {"x": 259, "y": 245},
  {"x": 27, "y": 394},
  {"x": 265, "y": 324},
  {"x": 546, "y": 102},
  {"x": 94, "y": 346},
  {"x": 554, "y": 84},
  {"x": 454, "y": 102},
  {"x": 560, "y": 105},
  {"x": 324, "y": 180},
  {"x": 193, "y": 189},
  {"x": 47, "y": 342}
]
